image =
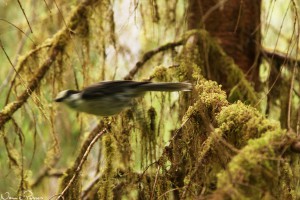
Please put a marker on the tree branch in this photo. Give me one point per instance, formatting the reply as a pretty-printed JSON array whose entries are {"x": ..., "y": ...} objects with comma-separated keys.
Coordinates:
[
  {"x": 148, "y": 55},
  {"x": 73, "y": 172},
  {"x": 280, "y": 58},
  {"x": 83, "y": 159},
  {"x": 60, "y": 41}
]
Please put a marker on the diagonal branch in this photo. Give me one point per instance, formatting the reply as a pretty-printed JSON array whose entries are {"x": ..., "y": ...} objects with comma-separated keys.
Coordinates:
[
  {"x": 73, "y": 172},
  {"x": 148, "y": 55},
  {"x": 60, "y": 41},
  {"x": 82, "y": 160}
]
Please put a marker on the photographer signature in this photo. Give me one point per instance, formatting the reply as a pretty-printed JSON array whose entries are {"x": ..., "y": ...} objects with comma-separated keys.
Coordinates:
[{"x": 27, "y": 195}]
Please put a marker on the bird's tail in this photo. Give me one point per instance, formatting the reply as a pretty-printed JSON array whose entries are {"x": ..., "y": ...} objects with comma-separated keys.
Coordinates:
[{"x": 168, "y": 87}]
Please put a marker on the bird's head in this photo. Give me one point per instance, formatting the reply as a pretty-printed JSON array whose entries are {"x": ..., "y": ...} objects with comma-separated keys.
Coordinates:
[{"x": 65, "y": 96}]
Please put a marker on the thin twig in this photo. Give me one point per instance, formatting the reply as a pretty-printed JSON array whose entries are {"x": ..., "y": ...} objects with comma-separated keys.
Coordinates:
[
  {"x": 218, "y": 5},
  {"x": 28, "y": 91},
  {"x": 289, "y": 112},
  {"x": 83, "y": 159},
  {"x": 47, "y": 6},
  {"x": 90, "y": 186},
  {"x": 141, "y": 176},
  {"x": 273, "y": 54},
  {"x": 1, "y": 19},
  {"x": 171, "y": 190},
  {"x": 9, "y": 60},
  {"x": 25, "y": 15},
  {"x": 155, "y": 181},
  {"x": 15, "y": 60},
  {"x": 17, "y": 70}
]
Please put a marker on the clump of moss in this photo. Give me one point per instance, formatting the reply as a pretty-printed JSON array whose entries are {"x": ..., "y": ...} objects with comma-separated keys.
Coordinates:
[
  {"x": 160, "y": 73},
  {"x": 241, "y": 123},
  {"x": 210, "y": 98},
  {"x": 258, "y": 163}
]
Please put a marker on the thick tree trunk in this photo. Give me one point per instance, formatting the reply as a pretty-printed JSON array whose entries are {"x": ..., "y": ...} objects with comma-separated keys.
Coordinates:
[{"x": 236, "y": 23}]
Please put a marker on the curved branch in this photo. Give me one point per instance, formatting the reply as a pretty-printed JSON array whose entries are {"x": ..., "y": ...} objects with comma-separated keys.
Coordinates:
[{"x": 148, "y": 55}]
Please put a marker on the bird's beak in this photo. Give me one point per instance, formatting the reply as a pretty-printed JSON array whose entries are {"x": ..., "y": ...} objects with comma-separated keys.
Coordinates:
[{"x": 57, "y": 99}]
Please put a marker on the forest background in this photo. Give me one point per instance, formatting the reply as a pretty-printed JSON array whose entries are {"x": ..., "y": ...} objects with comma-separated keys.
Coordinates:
[{"x": 235, "y": 136}]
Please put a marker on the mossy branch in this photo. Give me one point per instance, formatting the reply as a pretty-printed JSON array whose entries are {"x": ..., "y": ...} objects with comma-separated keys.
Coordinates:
[
  {"x": 71, "y": 179},
  {"x": 260, "y": 163},
  {"x": 59, "y": 42},
  {"x": 218, "y": 66},
  {"x": 75, "y": 170}
]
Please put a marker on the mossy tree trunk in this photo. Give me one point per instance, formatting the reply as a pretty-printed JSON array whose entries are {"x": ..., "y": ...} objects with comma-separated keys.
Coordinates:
[{"x": 236, "y": 25}]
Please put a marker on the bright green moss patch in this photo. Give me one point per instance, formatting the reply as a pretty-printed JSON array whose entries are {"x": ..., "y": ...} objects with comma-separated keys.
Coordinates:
[{"x": 241, "y": 123}]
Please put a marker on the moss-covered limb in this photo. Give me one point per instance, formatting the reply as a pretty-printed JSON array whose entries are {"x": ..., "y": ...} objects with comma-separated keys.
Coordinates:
[
  {"x": 215, "y": 131},
  {"x": 58, "y": 43},
  {"x": 123, "y": 138},
  {"x": 241, "y": 123},
  {"x": 218, "y": 66},
  {"x": 257, "y": 169},
  {"x": 213, "y": 134},
  {"x": 193, "y": 146},
  {"x": 106, "y": 183}
]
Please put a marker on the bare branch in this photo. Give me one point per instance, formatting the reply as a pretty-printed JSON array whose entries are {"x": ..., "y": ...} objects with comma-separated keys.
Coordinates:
[
  {"x": 83, "y": 159},
  {"x": 280, "y": 58},
  {"x": 148, "y": 55}
]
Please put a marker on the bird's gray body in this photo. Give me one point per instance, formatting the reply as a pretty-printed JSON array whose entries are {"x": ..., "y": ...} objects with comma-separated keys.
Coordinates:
[{"x": 110, "y": 97}]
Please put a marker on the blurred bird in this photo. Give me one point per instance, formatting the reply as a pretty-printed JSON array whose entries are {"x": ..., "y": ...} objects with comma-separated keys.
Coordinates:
[{"x": 111, "y": 97}]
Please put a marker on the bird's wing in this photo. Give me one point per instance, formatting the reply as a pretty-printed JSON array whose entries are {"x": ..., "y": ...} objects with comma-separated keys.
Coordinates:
[{"x": 109, "y": 87}]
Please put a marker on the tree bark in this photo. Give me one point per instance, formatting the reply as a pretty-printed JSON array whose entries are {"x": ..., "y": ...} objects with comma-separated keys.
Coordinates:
[{"x": 236, "y": 24}]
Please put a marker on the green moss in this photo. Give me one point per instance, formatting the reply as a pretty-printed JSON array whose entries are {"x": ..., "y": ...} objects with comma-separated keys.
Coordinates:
[
  {"x": 7, "y": 110},
  {"x": 74, "y": 190},
  {"x": 106, "y": 184},
  {"x": 257, "y": 163},
  {"x": 203, "y": 50},
  {"x": 210, "y": 98},
  {"x": 241, "y": 123}
]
